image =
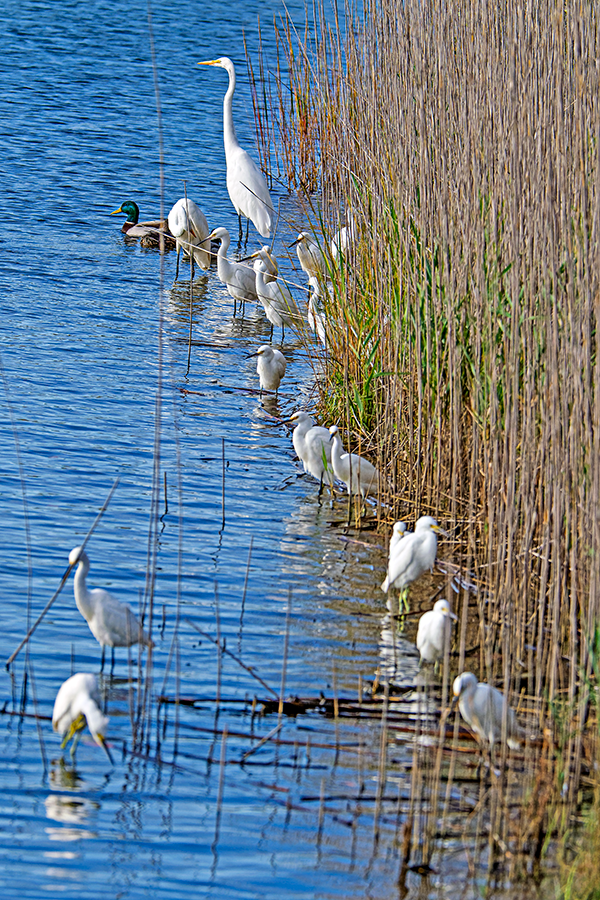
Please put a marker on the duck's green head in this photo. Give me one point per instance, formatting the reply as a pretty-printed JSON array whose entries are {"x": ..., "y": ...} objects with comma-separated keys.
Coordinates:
[{"x": 131, "y": 210}]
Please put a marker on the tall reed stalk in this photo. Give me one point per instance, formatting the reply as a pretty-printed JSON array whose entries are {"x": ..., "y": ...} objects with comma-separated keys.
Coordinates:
[{"x": 464, "y": 138}]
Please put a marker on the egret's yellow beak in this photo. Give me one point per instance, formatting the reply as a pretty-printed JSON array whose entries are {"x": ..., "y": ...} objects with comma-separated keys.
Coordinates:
[{"x": 209, "y": 62}]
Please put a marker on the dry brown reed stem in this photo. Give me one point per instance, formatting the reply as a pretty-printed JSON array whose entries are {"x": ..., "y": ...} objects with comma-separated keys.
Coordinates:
[{"x": 463, "y": 337}]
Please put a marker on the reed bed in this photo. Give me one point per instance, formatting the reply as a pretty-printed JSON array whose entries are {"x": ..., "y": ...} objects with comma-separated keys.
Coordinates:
[{"x": 463, "y": 142}]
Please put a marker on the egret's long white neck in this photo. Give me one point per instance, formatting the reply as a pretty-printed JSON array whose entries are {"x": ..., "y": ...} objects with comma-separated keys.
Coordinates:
[
  {"x": 337, "y": 448},
  {"x": 82, "y": 595},
  {"x": 229, "y": 136}
]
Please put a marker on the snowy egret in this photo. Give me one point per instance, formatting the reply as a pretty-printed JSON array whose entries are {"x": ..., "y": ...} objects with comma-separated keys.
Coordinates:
[
  {"x": 238, "y": 277},
  {"x": 279, "y": 305},
  {"x": 398, "y": 532},
  {"x": 413, "y": 555},
  {"x": 345, "y": 237},
  {"x": 111, "y": 622},
  {"x": 270, "y": 366},
  {"x": 310, "y": 256},
  {"x": 485, "y": 710},
  {"x": 271, "y": 267},
  {"x": 313, "y": 446},
  {"x": 431, "y": 632},
  {"x": 358, "y": 474},
  {"x": 156, "y": 230},
  {"x": 188, "y": 225},
  {"x": 317, "y": 316},
  {"x": 246, "y": 184},
  {"x": 78, "y": 702}
]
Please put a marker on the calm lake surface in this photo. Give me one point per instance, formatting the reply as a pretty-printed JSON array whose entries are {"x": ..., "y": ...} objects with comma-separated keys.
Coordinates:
[{"x": 83, "y": 366}]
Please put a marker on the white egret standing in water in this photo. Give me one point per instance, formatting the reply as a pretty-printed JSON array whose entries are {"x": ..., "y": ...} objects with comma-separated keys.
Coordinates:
[
  {"x": 270, "y": 367},
  {"x": 78, "y": 702},
  {"x": 277, "y": 301},
  {"x": 312, "y": 444},
  {"x": 238, "y": 277},
  {"x": 358, "y": 474},
  {"x": 246, "y": 183},
  {"x": 431, "y": 633},
  {"x": 111, "y": 622},
  {"x": 188, "y": 225},
  {"x": 485, "y": 709},
  {"x": 310, "y": 256}
]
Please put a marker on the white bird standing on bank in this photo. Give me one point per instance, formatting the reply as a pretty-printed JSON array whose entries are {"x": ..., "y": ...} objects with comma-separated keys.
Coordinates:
[
  {"x": 188, "y": 225},
  {"x": 312, "y": 444},
  {"x": 310, "y": 256},
  {"x": 111, "y": 622},
  {"x": 358, "y": 474},
  {"x": 246, "y": 184},
  {"x": 431, "y": 633},
  {"x": 279, "y": 305},
  {"x": 78, "y": 702},
  {"x": 413, "y": 555},
  {"x": 238, "y": 277},
  {"x": 270, "y": 367},
  {"x": 485, "y": 709}
]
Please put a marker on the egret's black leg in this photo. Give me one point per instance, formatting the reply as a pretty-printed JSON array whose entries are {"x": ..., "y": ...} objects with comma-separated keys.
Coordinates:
[
  {"x": 282, "y": 334},
  {"x": 177, "y": 268},
  {"x": 247, "y": 232},
  {"x": 102, "y": 662},
  {"x": 112, "y": 664},
  {"x": 241, "y": 230}
]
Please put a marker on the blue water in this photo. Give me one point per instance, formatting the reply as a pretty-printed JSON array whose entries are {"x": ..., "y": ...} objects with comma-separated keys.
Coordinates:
[{"x": 83, "y": 364}]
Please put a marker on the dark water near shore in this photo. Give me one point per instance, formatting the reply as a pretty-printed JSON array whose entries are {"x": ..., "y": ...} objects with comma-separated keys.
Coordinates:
[{"x": 83, "y": 364}]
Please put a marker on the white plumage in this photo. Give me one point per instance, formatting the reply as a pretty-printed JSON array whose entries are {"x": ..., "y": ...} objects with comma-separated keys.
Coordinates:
[
  {"x": 238, "y": 277},
  {"x": 413, "y": 555},
  {"x": 317, "y": 315},
  {"x": 188, "y": 225},
  {"x": 111, "y": 622},
  {"x": 431, "y": 633},
  {"x": 270, "y": 367},
  {"x": 78, "y": 702},
  {"x": 358, "y": 474},
  {"x": 484, "y": 709},
  {"x": 310, "y": 256},
  {"x": 311, "y": 443},
  {"x": 276, "y": 299},
  {"x": 246, "y": 184}
]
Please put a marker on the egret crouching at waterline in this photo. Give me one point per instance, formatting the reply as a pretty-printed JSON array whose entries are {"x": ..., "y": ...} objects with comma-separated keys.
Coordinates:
[
  {"x": 431, "y": 633},
  {"x": 275, "y": 297},
  {"x": 246, "y": 184},
  {"x": 312, "y": 444},
  {"x": 111, "y": 622},
  {"x": 270, "y": 366},
  {"x": 78, "y": 702},
  {"x": 358, "y": 474},
  {"x": 413, "y": 555},
  {"x": 485, "y": 710}
]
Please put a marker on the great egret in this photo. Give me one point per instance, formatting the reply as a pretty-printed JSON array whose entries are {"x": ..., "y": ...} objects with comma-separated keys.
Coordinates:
[
  {"x": 413, "y": 555},
  {"x": 78, "y": 702},
  {"x": 310, "y": 256},
  {"x": 279, "y": 305},
  {"x": 238, "y": 277},
  {"x": 358, "y": 474},
  {"x": 156, "y": 232},
  {"x": 246, "y": 184},
  {"x": 313, "y": 446},
  {"x": 188, "y": 225},
  {"x": 485, "y": 709},
  {"x": 111, "y": 622},
  {"x": 270, "y": 367},
  {"x": 431, "y": 633}
]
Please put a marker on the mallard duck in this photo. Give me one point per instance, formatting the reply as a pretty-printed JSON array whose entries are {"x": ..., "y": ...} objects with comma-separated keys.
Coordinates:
[{"x": 153, "y": 233}]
